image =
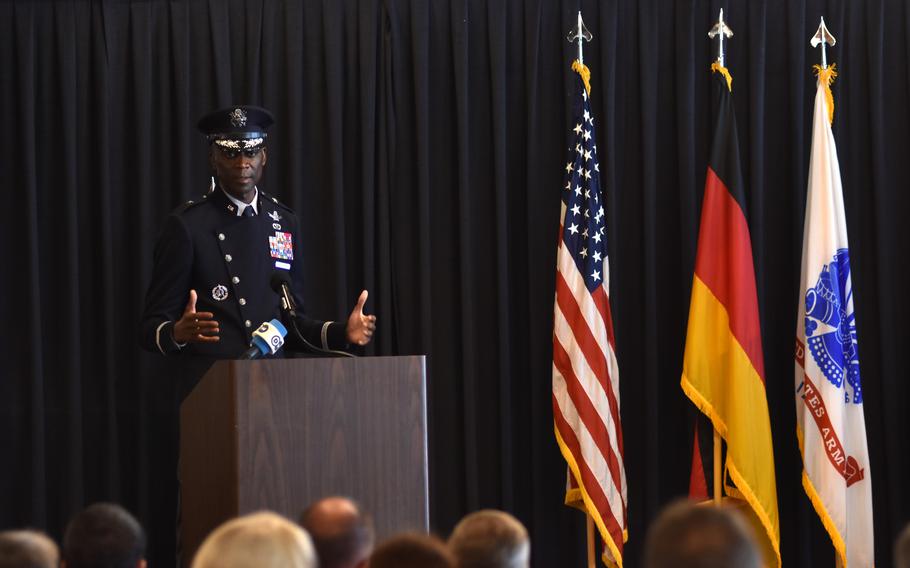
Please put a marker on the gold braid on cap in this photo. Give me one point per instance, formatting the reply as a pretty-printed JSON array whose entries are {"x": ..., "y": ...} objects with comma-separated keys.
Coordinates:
[{"x": 239, "y": 144}]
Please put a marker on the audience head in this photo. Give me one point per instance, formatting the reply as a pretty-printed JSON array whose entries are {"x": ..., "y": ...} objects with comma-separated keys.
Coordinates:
[
  {"x": 902, "y": 549},
  {"x": 104, "y": 535},
  {"x": 412, "y": 550},
  {"x": 342, "y": 534},
  {"x": 490, "y": 539},
  {"x": 686, "y": 535},
  {"x": 258, "y": 540},
  {"x": 27, "y": 549}
]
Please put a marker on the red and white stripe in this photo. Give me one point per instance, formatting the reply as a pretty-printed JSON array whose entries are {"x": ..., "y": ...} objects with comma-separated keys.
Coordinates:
[{"x": 586, "y": 396}]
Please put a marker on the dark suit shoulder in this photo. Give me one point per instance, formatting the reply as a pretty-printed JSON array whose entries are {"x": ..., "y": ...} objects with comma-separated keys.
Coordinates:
[
  {"x": 191, "y": 204},
  {"x": 271, "y": 198}
]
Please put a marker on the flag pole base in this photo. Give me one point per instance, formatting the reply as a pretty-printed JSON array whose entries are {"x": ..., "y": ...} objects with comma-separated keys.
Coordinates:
[
  {"x": 717, "y": 475},
  {"x": 590, "y": 532}
]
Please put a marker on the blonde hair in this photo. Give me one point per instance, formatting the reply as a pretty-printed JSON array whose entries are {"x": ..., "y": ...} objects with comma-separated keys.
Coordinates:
[
  {"x": 258, "y": 540},
  {"x": 27, "y": 549}
]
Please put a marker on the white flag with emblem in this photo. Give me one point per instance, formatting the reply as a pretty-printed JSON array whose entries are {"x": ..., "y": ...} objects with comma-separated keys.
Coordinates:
[{"x": 829, "y": 398}]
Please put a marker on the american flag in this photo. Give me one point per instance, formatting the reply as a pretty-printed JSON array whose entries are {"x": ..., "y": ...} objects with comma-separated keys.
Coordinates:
[{"x": 585, "y": 372}]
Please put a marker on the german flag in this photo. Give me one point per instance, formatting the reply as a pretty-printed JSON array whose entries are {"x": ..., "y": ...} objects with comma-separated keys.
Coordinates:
[{"x": 723, "y": 369}]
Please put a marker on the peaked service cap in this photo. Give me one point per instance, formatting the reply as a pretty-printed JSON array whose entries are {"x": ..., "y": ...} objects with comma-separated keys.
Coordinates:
[{"x": 238, "y": 122}]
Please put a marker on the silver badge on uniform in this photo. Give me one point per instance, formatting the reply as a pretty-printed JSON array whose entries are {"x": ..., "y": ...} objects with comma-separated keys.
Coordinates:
[
  {"x": 275, "y": 216},
  {"x": 220, "y": 292},
  {"x": 276, "y": 226}
]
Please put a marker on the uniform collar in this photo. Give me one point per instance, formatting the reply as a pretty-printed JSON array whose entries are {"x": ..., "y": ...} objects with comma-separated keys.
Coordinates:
[{"x": 240, "y": 205}]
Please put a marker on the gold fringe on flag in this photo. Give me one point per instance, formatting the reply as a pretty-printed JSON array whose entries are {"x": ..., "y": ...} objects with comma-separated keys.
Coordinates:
[
  {"x": 826, "y": 76},
  {"x": 718, "y": 68},
  {"x": 585, "y": 73}
]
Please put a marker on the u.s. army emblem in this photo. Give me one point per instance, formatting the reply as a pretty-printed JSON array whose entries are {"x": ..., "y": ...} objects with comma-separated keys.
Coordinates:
[{"x": 830, "y": 330}]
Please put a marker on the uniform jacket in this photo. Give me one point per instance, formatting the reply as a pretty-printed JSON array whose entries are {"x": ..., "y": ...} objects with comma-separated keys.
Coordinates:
[{"x": 229, "y": 261}]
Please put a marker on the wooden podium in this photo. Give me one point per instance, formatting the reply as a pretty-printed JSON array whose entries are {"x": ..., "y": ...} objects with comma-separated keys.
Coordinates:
[{"x": 279, "y": 434}]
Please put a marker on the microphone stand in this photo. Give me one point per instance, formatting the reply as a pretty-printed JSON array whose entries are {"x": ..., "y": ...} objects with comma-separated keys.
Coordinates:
[{"x": 289, "y": 308}]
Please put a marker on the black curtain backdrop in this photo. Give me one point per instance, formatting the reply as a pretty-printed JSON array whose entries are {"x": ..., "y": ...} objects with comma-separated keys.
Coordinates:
[{"x": 423, "y": 145}]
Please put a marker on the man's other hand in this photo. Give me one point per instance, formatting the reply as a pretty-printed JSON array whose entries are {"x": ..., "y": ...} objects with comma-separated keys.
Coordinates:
[{"x": 360, "y": 327}]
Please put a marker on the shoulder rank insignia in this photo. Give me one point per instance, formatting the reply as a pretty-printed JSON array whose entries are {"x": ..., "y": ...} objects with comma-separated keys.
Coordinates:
[
  {"x": 187, "y": 205},
  {"x": 274, "y": 200}
]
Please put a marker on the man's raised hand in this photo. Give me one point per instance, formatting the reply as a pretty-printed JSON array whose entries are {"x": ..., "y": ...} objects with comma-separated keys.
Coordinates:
[
  {"x": 360, "y": 327},
  {"x": 196, "y": 327}
]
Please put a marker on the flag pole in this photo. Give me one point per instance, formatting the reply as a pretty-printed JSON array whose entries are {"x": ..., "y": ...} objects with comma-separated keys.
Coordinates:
[
  {"x": 580, "y": 33},
  {"x": 581, "y": 50},
  {"x": 717, "y": 484},
  {"x": 719, "y": 30},
  {"x": 590, "y": 531},
  {"x": 823, "y": 36}
]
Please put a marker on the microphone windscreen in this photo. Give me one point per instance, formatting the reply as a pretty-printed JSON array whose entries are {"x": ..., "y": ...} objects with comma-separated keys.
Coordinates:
[
  {"x": 279, "y": 326},
  {"x": 277, "y": 279},
  {"x": 269, "y": 337}
]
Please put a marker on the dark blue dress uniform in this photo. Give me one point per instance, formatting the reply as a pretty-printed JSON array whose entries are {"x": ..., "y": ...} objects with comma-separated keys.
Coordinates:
[{"x": 229, "y": 261}]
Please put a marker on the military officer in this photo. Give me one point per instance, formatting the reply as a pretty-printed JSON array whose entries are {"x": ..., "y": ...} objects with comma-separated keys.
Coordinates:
[{"x": 210, "y": 286}]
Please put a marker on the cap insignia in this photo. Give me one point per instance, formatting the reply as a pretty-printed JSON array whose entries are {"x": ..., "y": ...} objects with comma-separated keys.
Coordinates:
[{"x": 238, "y": 118}]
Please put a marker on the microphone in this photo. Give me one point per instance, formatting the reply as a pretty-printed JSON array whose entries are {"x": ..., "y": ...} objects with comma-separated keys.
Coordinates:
[
  {"x": 281, "y": 284},
  {"x": 267, "y": 339}
]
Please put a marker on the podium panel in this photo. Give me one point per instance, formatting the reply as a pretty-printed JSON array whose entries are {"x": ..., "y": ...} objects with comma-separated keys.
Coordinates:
[{"x": 280, "y": 434}]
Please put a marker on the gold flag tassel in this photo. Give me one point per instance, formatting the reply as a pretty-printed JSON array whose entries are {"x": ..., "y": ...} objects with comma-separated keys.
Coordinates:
[
  {"x": 826, "y": 76},
  {"x": 718, "y": 68},
  {"x": 585, "y": 73}
]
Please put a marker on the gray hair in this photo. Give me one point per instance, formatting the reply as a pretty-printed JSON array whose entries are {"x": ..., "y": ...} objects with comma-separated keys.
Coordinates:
[
  {"x": 686, "y": 535},
  {"x": 491, "y": 539}
]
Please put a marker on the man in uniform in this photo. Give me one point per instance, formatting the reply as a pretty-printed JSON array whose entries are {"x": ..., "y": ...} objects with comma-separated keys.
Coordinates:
[{"x": 210, "y": 287}]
